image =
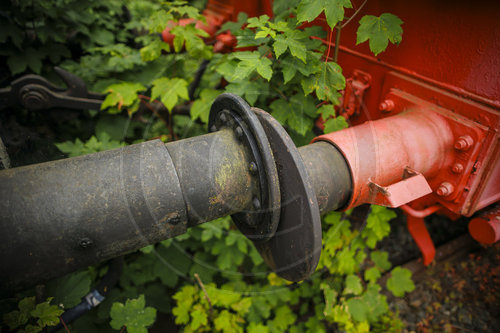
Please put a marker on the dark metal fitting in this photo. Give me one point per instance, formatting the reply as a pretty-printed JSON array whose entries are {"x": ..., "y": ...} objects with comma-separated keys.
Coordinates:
[
  {"x": 231, "y": 111},
  {"x": 464, "y": 143},
  {"x": 239, "y": 132},
  {"x": 86, "y": 242},
  {"x": 252, "y": 167},
  {"x": 256, "y": 203}
]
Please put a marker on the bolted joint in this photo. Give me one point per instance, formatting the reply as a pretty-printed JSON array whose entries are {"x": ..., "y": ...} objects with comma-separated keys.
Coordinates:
[
  {"x": 457, "y": 168},
  {"x": 445, "y": 189},
  {"x": 464, "y": 143},
  {"x": 386, "y": 106}
]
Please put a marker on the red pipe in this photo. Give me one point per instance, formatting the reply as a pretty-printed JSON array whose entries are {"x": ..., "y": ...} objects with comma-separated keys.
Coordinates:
[
  {"x": 381, "y": 152},
  {"x": 486, "y": 227}
]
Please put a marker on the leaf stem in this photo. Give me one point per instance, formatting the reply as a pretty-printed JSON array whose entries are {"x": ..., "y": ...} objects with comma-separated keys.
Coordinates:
[
  {"x": 355, "y": 13},
  {"x": 202, "y": 286}
]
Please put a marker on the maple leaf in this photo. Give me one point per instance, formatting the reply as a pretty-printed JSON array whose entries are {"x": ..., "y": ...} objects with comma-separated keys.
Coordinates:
[
  {"x": 169, "y": 91},
  {"x": 379, "y": 31},
  {"x": 308, "y": 10}
]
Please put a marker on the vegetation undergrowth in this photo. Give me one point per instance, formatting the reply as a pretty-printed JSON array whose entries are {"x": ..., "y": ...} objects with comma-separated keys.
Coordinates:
[{"x": 211, "y": 278}]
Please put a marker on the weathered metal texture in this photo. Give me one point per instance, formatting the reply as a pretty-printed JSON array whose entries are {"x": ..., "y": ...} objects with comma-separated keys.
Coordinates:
[
  {"x": 58, "y": 216},
  {"x": 294, "y": 251},
  {"x": 380, "y": 153},
  {"x": 329, "y": 174},
  {"x": 260, "y": 220},
  {"x": 214, "y": 175},
  {"x": 485, "y": 228}
]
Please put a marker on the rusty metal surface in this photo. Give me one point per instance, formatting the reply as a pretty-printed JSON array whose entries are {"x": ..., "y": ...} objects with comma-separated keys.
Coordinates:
[
  {"x": 294, "y": 251},
  {"x": 259, "y": 221},
  {"x": 58, "y": 216},
  {"x": 214, "y": 175}
]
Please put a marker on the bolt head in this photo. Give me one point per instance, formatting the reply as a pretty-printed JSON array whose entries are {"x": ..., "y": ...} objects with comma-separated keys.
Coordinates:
[
  {"x": 85, "y": 242},
  {"x": 252, "y": 167},
  {"x": 386, "y": 106},
  {"x": 222, "y": 117},
  {"x": 239, "y": 132},
  {"x": 445, "y": 189},
  {"x": 464, "y": 143},
  {"x": 457, "y": 168},
  {"x": 256, "y": 203}
]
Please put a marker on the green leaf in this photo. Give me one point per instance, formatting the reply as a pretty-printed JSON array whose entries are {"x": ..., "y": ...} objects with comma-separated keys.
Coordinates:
[
  {"x": 157, "y": 22},
  {"x": 153, "y": 50},
  {"x": 298, "y": 113},
  {"x": 123, "y": 95},
  {"x": 326, "y": 83},
  {"x": 201, "y": 107},
  {"x": 293, "y": 41},
  {"x": 191, "y": 37},
  {"x": 48, "y": 315},
  {"x": 358, "y": 309},
  {"x": 133, "y": 315},
  {"x": 353, "y": 285},
  {"x": 308, "y": 10},
  {"x": 284, "y": 317},
  {"x": 228, "y": 322},
  {"x": 372, "y": 274},
  {"x": 250, "y": 62},
  {"x": 335, "y": 124},
  {"x": 69, "y": 289},
  {"x": 199, "y": 317},
  {"x": 379, "y": 31},
  {"x": 400, "y": 282},
  {"x": 381, "y": 260},
  {"x": 257, "y": 328},
  {"x": 169, "y": 91},
  {"x": 251, "y": 89}
]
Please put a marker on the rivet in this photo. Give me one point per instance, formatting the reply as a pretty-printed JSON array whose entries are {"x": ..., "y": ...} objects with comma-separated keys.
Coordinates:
[
  {"x": 252, "y": 167},
  {"x": 85, "y": 242},
  {"x": 457, "y": 168},
  {"x": 445, "y": 189},
  {"x": 239, "y": 132},
  {"x": 256, "y": 203},
  {"x": 464, "y": 143},
  {"x": 386, "y": 106}
]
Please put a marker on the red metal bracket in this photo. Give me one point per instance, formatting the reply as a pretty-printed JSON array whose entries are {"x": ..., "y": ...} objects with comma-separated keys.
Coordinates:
[
  {"x": 411, "y": 187},
  {"x": 353, "y": 94},
  {"x": 418, "y": 231}
]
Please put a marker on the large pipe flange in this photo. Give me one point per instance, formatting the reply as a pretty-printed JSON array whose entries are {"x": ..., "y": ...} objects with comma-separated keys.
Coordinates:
[{"x": 259, "y": 221}]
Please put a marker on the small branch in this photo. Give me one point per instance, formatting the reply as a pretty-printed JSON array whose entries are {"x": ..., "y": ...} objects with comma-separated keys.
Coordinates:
[
  {"x": 337, "y": 43},
  {"x": 355, "y": 13},
  {"x": 64, "y": 324},
  {"x": 202, "y": 286},
  {"x": 123, "y": 329}
]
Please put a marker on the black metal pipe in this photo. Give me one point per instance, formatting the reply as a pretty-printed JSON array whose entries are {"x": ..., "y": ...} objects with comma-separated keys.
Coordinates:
[
  {"x": 329, "y": 174},
  {"x": 58, "y": 216}
]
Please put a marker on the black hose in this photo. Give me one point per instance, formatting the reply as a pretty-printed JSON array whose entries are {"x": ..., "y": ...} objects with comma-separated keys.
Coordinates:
[
  {"x": 197, "y": 79},
  {"x": 95, "y": 296}
]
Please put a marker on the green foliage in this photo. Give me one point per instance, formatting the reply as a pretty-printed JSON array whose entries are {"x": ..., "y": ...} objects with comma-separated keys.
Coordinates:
[
  {"x": 379, "y": 31},
  {"x": 145, "y": 80},
  {"x": 36, "y": 316},
  {"x": 308, "y": 10},
  {"x": 169, "y": 91},
  {"x": 134, "y": 315},
  {"x": 68, "y": 290},
  {"x": 400, "y": 282}
]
